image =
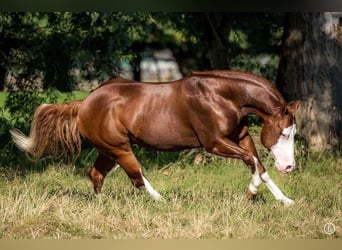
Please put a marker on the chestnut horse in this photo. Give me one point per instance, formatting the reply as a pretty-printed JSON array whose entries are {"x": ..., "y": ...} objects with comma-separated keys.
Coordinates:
[{"x": 205, "y": 109}]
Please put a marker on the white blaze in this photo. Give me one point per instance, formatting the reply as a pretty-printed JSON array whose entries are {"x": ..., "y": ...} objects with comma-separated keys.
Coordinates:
[{"x": 283, "y": 150}]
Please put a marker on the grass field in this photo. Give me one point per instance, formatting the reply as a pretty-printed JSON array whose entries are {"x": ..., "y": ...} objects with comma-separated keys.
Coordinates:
[{"x": 206, "y": 201}]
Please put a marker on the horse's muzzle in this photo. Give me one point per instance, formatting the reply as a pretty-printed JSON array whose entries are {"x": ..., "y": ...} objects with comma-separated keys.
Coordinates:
[
  {"x": 289, "y": 168},
  {"x": 285, "y": 169}
]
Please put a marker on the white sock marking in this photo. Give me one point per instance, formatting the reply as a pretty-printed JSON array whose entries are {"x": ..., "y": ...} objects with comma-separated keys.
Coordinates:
[
  {"x": 278, "y": 194},
  {"x": 256, "y": 180},
  {"x": 155, "y": 195}
]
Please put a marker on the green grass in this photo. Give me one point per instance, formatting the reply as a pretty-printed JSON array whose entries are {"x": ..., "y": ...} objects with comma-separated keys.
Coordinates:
[{"x": 205, "y": 201}]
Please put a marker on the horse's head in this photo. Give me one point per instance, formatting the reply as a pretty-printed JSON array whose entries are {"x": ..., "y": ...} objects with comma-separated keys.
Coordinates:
[{"x": 277, "y": 135}]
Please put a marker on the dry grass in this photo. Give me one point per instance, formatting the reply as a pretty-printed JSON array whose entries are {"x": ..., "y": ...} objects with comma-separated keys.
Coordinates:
[{"x": 206, "y": 202}]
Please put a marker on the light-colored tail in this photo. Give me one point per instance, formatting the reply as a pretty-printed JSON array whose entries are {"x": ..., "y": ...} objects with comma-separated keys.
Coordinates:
[
  {"x": 53, "y": 132},
  {"x": 23, "y": 142}
]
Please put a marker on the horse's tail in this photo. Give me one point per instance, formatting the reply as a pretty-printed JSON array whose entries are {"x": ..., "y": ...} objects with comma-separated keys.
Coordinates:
[{"x": 54, "y": 132}]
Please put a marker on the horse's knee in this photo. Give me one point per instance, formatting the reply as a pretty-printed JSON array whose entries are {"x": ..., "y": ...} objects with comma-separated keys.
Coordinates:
[{"x": 250, "y": 160}]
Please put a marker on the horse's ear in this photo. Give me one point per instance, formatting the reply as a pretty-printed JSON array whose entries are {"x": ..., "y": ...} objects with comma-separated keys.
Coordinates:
[{"x": 292, "y": 107}]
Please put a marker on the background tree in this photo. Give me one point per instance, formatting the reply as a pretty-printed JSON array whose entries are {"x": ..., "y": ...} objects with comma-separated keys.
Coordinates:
[
  {"x": 310, "y": 70},
  {"x": 245, "y": 41},
  {"x": 49, "y": 46}
]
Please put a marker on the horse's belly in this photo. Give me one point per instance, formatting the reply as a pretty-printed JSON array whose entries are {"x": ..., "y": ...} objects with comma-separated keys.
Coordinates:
[{"x": 174, "y": 137}]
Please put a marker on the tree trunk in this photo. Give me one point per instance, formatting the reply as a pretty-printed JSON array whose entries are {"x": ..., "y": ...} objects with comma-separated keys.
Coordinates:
[
  {"x": 136, "y": 68},
  {"x": 219, "y": 27},
  {"x": 311, "y": 70},
  {"x": 3, "y": 72}
]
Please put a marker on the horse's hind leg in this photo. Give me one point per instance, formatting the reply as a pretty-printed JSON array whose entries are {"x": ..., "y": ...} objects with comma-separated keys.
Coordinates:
[
  {"x": 101, "y": 168},
  {"x": 132, "y": 167}
]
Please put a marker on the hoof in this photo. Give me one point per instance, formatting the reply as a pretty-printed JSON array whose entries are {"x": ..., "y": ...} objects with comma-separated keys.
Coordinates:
[
  {"x": 98, "y": 189},
  {"x": 250, "y": 195},
  {"x": 157, "y": 197},
  {"x": 287, "y": 202}
]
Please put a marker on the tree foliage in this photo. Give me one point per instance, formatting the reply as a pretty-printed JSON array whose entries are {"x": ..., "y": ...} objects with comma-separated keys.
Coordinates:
[{"x": 49, "y": 46}]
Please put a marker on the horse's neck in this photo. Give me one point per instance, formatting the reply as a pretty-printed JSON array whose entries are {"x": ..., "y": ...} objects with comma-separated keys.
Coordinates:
[
  {"x": 263, "y": 101},
  {"x": 261, "y": 97}
]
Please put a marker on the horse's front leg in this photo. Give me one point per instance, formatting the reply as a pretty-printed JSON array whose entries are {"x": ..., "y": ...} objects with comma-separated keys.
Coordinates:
[
  {"x": 227, "y": 148},
  {"x": 258, "y": 179},
  {"x": 247, "y": 152},
  {"x": 257, "y": 168},
  {"x": 259, "y": 175}
]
